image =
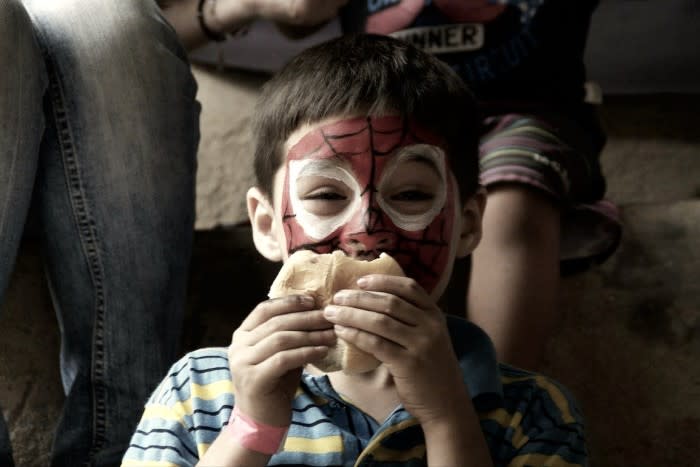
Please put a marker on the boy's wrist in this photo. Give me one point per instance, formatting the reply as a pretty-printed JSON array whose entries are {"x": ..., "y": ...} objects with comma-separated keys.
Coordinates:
[
  {"x": 254, "y": 435},
  {"x": 456, "y": 412},
  {"x": 448, "y": 439}
]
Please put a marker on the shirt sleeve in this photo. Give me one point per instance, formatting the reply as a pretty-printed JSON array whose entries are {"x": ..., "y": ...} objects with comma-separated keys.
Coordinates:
[
  {"x": 163, "y": 437},
  {"x": 551, "y": 429},
  {"x": 537, "y": 424},
  {"x": 560, "y": 446}
]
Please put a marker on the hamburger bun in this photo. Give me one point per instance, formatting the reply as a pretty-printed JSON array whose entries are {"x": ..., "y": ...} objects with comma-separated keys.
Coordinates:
[{"x": 321, "y": 276}]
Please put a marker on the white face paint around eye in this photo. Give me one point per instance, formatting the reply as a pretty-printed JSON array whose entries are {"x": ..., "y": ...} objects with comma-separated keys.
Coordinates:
[
  {"x": 415, "y": 222},
  {"x": 320, "y": 227}
]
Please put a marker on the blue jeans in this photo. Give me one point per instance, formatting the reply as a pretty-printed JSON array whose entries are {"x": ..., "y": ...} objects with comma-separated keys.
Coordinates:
[{"x": 98, "y": 118}]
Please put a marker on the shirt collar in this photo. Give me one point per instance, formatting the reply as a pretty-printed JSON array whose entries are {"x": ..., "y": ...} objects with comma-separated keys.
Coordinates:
[{"x": 477, "y": 358}]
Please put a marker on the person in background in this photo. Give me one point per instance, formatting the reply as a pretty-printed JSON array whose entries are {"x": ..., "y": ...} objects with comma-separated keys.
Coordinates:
[
  {"x": 98, "y": 120},
  {"x": 540, "y": 140}
]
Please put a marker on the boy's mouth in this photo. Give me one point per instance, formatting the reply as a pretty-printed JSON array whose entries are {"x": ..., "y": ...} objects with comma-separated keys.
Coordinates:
[{"x": 365, "y": 255}]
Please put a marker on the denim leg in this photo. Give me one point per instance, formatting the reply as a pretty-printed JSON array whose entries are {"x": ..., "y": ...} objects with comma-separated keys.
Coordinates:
[
  {"x": 116, "y": 201},
  {"x": 22, "y": 85}
]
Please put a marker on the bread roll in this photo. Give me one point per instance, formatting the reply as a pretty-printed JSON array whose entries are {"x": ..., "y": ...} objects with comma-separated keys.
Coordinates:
[{"x": 321, "y": 276}]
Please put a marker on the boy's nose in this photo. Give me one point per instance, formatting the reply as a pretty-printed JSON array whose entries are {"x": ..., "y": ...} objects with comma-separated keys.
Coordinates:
[
  {"x": 367, "y": 235},
  {"x": 363, "y": 245}
]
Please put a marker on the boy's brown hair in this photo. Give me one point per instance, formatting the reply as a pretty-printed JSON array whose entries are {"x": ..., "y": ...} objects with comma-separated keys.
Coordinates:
[{"x": 366, "y": 74}]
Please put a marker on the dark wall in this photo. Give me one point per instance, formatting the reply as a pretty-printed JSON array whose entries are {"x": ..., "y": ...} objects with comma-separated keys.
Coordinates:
[{"x": 645, "y": 46}]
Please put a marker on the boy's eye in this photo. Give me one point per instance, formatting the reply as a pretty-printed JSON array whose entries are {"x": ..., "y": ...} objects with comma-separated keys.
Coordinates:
[
  {"x": 412, "y": 195},
  {"x": 320, "y": 190},
  {"x": 324, "y": 202},
  {"x": 412, "y": 201},
  {"x": 325, "y": 195}
]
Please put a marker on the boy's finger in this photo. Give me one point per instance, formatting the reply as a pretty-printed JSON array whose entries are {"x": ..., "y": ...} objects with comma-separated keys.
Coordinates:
[
  {"x": 383, "y": 350},
  {"x": 403, "y": 287},
  {"x": 375, "y": 323},
  {"x": 288, "y": 340},
  {"x": 287, "y": 360},
  {"x": 308, "y": 320},
  {"x": 381, "y": 302},
  {"x": 274, "y": 307}
]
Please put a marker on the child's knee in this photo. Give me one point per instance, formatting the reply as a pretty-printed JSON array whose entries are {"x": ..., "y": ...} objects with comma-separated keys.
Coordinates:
[{"x": 520, "y": 215}]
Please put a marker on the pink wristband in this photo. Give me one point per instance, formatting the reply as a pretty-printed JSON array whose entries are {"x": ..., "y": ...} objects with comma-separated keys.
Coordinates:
[{"x": 253, "y": 435}]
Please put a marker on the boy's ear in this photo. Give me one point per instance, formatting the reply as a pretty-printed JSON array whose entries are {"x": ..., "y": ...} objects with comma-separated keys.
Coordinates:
[
  {"x": 264, "y": 224},
  {"x": 470, "y": 231}
]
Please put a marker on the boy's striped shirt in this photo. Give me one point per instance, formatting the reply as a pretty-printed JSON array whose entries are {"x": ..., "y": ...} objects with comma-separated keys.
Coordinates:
[{"x": 527, "y": 419}]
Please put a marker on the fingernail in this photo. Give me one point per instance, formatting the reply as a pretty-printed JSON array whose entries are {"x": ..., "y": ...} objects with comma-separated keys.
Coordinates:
[
  {"x": 362, "y": 282},
  {"x": 339, "y": 328},
  {"x": 330, "y": 311}
]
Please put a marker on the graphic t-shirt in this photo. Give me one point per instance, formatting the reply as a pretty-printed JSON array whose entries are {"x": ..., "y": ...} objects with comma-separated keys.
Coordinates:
[{"x": 522, "y": 51}]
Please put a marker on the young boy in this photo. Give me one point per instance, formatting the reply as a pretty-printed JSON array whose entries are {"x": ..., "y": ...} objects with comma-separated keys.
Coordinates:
[{"x": 365, "y": 145}]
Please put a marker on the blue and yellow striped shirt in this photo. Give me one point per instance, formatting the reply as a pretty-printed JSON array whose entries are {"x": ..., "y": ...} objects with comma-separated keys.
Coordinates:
[{"x": 527, "y": 419}]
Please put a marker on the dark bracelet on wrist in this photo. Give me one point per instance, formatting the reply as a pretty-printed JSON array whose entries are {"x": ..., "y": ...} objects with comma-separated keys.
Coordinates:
[{"x": 213, "y": 35}]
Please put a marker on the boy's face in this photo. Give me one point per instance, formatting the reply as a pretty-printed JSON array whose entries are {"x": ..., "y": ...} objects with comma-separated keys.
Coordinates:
[{"x": 370, "y": 185}]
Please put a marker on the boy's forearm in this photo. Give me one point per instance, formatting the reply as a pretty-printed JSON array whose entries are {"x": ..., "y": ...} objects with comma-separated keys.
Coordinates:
[{"x": 457, "y": 441}]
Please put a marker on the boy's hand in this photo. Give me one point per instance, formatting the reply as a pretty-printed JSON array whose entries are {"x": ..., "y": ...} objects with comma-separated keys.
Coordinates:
[
  {"x": 268, "y": 351},
  {"x": 394, "y": 319}
]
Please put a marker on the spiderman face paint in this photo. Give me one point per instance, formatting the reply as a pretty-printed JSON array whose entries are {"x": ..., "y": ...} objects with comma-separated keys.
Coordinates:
[{"x": 372, "y": 185}]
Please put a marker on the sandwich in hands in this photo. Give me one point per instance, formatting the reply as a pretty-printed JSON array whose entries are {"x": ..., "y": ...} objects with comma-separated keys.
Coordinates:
[{"x": 321, "y": 276}]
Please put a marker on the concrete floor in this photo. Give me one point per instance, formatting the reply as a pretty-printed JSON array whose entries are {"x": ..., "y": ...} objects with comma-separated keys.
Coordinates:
[{"x": 628, "y": 339}]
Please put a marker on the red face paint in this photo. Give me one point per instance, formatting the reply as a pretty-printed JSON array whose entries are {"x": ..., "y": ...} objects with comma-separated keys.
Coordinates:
[{"x": 361, "y": 154}]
